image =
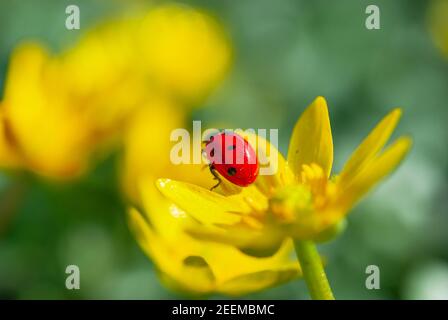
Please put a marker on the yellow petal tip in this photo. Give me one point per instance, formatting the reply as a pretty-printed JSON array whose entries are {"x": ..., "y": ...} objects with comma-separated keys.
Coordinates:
[
  {"x": 406, "y": 142},
  {"x": 320, "y": 101},
  {"x": 396, "y": 113}
]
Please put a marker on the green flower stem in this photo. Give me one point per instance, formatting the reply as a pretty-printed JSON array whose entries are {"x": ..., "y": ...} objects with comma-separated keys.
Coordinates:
[{"x": 313, "y": 271}]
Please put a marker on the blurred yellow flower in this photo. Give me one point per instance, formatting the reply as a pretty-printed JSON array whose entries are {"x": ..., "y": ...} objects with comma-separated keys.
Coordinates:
[
  {"x": 184, "y": 51},
  {"x": 42, "y": 126},
  {"x": 438, "y": 24},
  {"x": 103, "y": 76},
  {"x": 202, "y": 267},
  {"x": 54, "y": 124},
  {"x": 301, "y": 200},
  {"x": 61, "y": 111}
]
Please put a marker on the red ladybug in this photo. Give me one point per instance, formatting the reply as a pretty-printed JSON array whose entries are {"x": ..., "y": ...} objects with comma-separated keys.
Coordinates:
[{"x": 233, "y": 157}]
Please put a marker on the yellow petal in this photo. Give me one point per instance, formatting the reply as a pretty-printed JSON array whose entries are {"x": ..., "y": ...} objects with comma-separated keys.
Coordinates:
[
  {"x": 171, "y": 221},
  {"x": 260, "y": 273},
  {"x": 161, "y": 237},
  {"x": 206, "y": 206},
  {"x": 371, "y": 174},
  {"x": 371, "y": 145},
  {"x": 171, "y": 257},
  {"x": 202, "y": 267},
  {"x": 145, "y": 153},
  {"x": 239, "y": 236},
  {"x": 311, "y": 140},
  {"x": 274, "y": 171},
  {"x": 8, "y": 155},
  {"x": 310, "y": 226}
]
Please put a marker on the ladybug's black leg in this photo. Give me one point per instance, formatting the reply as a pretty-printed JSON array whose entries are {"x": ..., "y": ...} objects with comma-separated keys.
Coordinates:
[
  {"x": 216, "y": 177},
  {"x": 204, "y": 155}
]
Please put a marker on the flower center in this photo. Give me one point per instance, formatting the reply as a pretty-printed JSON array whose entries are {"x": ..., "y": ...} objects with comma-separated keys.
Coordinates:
[
  {"x": 290, "y": 202},
  {"x": 322, "y": 189}
]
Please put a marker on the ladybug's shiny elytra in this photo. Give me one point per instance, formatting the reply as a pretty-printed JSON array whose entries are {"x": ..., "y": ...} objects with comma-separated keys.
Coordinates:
[{"x": 232, "y": 157}]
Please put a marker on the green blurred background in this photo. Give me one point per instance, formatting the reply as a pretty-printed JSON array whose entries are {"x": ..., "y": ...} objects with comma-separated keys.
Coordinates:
[{"x": 286, "y": 53}]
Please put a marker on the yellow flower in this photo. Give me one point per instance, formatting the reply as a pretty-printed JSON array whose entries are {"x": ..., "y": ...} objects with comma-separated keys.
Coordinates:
[
  {"x": 185, "y": 263},
  {"x": 302, "y": 200},
  {"x": 202, "y": 267}
]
